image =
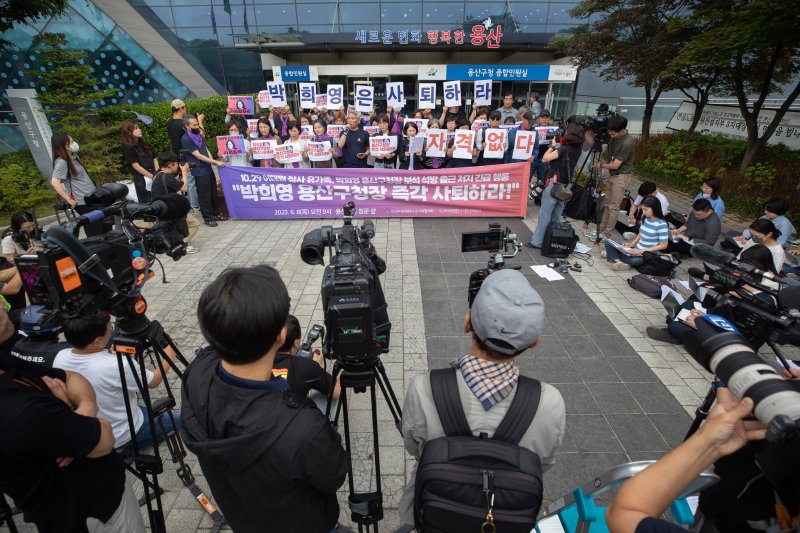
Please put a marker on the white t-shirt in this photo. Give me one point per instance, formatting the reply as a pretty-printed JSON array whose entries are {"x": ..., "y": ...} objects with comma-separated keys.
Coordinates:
[
  {"x": 661, "y": 198},
  {"x": 777, "y": 251},
  {"x": 101, "y": 370},
  {"x": 10, "y": 247}
]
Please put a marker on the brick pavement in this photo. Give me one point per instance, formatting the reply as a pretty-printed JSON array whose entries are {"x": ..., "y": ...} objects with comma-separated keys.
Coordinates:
[{"x": 627, "y": 398}]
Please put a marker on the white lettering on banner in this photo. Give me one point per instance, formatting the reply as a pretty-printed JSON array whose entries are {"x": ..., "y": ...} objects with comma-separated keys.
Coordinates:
[
  {"x": 471, "y": 193},
  {"x": 308, "y": 95},
  {"x": 266, "y": 192},
  {"x": 364, "y": 97},
  {"x": 408, "y": 193},
  {"x": 452, "y": 93},
  {"x": 483, "y": 92},
  {"x": 395, "y": 96},
  {"x": 335, "y": 96},
  {"x": 277, "y": 93},
  {"x": 427, "y": 95}
]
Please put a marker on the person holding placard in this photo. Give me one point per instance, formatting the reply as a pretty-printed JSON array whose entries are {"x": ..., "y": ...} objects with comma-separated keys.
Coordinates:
[
  {"x": 354, "y": 143},
  {"x": 238, "y": 160},
  {"x": 193, "y": 145},
  {"x": 457, "y": 162},
  {"x": 495, "y": 118},
  {"x": 282, "y": 119},
  {"x": 527, "y": 125},
  {"x": 386, "y": 160},
  {"x": 321, "y": 135},
  {"x": 266, "y": 132},
  {"x": 409, "y": 160},
  {"x": 294, "y": 138},
  {"x": 508, "y": 109}
]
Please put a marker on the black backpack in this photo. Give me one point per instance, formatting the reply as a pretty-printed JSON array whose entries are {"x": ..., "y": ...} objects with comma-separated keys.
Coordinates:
[
  {"x": 656, "y": 264},
  {"x": 459, "y": 474},
  {"x": 559, "y": 240},
  {"x": 580, "y": 205}
]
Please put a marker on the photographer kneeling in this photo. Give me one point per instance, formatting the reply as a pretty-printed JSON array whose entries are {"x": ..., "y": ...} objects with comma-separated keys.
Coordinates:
[
  {"x": 273, "y": 462},
  {"x": 165, "y": 183}
]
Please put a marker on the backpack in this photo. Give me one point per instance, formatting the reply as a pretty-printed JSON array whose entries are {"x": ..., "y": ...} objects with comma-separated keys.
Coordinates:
[
  {"x": 578, "y": 207},
  {"x": 649, "y": 285},
  {"x": 656, "y": 264},
  {"x": 559, "y": 240},
  {"x": 459, "y": 474}
]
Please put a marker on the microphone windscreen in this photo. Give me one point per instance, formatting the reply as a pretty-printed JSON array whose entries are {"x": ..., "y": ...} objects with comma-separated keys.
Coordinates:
[
  {"x": 711, "y": 255},
  {"x": 172, "y": 206},
  {"x": 95, "y": 216}
]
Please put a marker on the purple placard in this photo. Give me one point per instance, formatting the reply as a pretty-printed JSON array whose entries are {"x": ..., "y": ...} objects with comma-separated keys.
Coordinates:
[
  {"x": 267, "y": 193},
  {"x": 241, "y": 105}
]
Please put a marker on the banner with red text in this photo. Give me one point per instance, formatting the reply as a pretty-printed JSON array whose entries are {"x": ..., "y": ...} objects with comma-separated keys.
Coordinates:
[{"x": 267, "y": 193}]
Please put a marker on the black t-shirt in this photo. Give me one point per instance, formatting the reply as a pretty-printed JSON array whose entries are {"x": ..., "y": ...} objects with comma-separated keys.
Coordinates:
[
  {"x": 302, "y": 373},
  {"x": 42, "y": 351},
  {"x": 145, "y": 158},
  {"x": 356, "y": 142},
  {"x": 175, "y": 131},
  {"x": 655, "y": 525},
  {"x": 568, "y": 155},
  {"x": 37, "y": 428},
  {"x": 165, "y": 183}
]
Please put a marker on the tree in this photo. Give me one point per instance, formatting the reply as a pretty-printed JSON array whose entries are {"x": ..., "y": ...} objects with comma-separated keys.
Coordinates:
[
  {"x": 68, "y": 103},
  {"x": 15, "y": 12},
  {"x": 756, "y": 44},
  {"x": 629, "y": 38}
]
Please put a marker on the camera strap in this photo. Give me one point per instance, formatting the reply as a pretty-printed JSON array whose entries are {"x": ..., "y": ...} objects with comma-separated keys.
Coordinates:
[{"x": 80, "y": 254}]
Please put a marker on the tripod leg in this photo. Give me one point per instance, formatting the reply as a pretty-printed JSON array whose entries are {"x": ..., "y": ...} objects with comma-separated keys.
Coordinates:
[
  {"x": 701, "y": 413},
  {"x": 6, "y": 514},
  {"x": 389, "y": 395}
]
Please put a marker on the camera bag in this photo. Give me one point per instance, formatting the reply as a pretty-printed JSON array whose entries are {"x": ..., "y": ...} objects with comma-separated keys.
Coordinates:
[
  {"x": 649, "y": 285},
  {"x": 459, "y": 475},
  {"x": 656, "y": 264},
  {"x": 559, "y": 240}
]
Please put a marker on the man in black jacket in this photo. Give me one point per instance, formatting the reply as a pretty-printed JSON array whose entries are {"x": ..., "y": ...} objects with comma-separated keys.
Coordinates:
[{"x": 272, "y": 460}]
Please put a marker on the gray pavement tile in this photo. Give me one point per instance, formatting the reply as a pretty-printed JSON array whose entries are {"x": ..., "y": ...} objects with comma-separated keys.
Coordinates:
[
  {"x": 438, "y": 308},
  {"x": 672, "y": 428},
  {"x": 549, "y": 346},
  {"x": 549, "y": 369},
  {"x": 596, "y": 324},
  {"x": 632, "y": 369},
  {"x": 637, "y": 433},
  {"x": 439, "y": 347},
  {"x": 613, "y": 345},
  {"x": 579, "y": 346},
  {"x": 613, "y": 398},
  {"x": 595, "y": 369},
  {"x": 577, "y": 398},
  {"x": 592, "y": 433}
]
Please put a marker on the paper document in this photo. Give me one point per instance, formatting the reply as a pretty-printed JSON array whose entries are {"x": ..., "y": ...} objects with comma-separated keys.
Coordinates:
[
  {"x": 682, "y": 238},
  {"x": 546, "y": 272},
  {"x": 624, "y": 249},
  {"x": 582, "y": 248},
  {"x": 665, "y": 290},
  {"x": 685, "y": 285}
]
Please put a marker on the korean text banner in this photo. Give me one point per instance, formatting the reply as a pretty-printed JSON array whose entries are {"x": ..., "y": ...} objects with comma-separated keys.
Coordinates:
[{"x": 267, "y": 193}]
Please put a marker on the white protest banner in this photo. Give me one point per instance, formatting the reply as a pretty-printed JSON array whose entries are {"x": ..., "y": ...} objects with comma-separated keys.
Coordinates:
[
  {"x": 306, "y": 132},
  {"x": 463, "y": 143},
  {"x": 479, "y": 124},
  {"x": 289, "y": 153},
  {"x": 452, "y": 93},
  {"x": 437, "y": 143},
  {"x": 252, "y": 125},
  {"x": 427, "y": 96},
  {"x": 335, "y": 96},
  {"x": 395, "y": 96},
  {"x": 543, "y": 131},
  {"x": 483, "y": 92},
  {"x": 263, "y": 99},
  {"x": 319, "y": 151},
  {"x": 372, "y": 130},
  {"x": 321, "y": 101},
  {"x": 523, "y": 144},
  {"x": 308, "y": 95},
  {"x": 263, "y": 148},
  {"x": 277, "y": 93},
  {"x": 335, "y": 131},
  {"x": 382, "y": 144},
  {"x": 365, "y": 94},
  {"x": 421, "y": 123},
  {"x": 496, "y": 143}
]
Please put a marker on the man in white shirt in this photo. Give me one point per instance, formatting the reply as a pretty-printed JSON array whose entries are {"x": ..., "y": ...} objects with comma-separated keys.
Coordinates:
[
  {"x": 90, "y": 357},
  {"x": 647, "y": 188}
]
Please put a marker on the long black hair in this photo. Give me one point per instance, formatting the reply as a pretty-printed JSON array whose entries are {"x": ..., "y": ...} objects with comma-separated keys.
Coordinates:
[
  {"x": 759, "y": 256},
  {"x": 765, "y": 225},
  {"x": 17, "y": 220},
  {"x": 655, "y": 204}
]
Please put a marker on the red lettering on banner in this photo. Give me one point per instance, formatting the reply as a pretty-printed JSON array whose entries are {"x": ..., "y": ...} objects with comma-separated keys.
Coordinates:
[
  {"x": 478, "y": 35},
  {"x": 436, "y": 141},
  {"x": 495, "y": 141},
  {"x": 433, "y": 36},
  {"x": 458, "y": 36},
  {"x": 464, "y": 139},
  {"x": 495, "y": 34}
]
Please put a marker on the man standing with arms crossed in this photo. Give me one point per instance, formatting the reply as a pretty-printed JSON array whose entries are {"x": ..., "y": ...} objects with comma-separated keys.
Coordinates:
[{"x": 620, "y": 167}]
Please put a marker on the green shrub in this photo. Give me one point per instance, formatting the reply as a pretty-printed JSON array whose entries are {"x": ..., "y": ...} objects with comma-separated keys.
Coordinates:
[{"x": 21, "y": 183}]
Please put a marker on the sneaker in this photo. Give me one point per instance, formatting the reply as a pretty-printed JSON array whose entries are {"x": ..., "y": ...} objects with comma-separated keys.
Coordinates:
[
  {"x": 221, "y": 218},
  {"x": 604, "y": 254},
  {"x": 661, "y": 335},
  {"x": 210, "y": 223},
  {"x": 590, "y": 234},
  {"x": 628, "y": 236},
  {"x": 620, "y": 266},
  {"x": 191, "y": 250}
]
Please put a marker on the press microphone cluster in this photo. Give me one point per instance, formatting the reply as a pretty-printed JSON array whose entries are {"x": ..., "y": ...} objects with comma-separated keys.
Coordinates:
[
  {"x": 170, "y": 207},
  {"x": 712, "y": 255}
]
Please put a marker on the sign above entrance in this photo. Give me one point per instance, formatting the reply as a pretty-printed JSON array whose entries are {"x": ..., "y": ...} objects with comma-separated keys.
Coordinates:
[
  {"x": 295, "y": 73},
  {"x": 511, "y": 72},
  {"x": 484, "y": 34}
]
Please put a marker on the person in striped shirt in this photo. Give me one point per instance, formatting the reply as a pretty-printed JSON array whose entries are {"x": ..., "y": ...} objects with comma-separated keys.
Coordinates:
[{"x": 653, "y": 236}]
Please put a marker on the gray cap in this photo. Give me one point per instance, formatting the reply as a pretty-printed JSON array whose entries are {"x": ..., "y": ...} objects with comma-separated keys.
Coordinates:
[
  {"x": 507, "y": 309},
  {"x": 545, "y": 113},
  {"x": 177, "y": 104}
]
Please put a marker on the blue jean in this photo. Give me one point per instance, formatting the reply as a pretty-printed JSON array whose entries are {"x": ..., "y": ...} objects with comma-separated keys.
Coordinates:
[
  {"x": 143, "y": 436},
  {"x": 550, "y": 211},
  {"x": 192, "y": 190},
  {"x": 612, "y": 254}
]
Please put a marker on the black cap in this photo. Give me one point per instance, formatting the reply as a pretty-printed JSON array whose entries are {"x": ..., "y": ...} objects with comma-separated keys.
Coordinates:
[
  {"x": 545, "y": 113},
  {"x": 496, "y": 114},
  {"x": 528, "y": 115}
]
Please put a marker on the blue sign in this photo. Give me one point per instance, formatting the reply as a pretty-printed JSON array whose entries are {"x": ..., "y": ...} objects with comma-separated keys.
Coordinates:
[
  {"x": 498, "y": 72},
  {"x": 295, "y": 73}
]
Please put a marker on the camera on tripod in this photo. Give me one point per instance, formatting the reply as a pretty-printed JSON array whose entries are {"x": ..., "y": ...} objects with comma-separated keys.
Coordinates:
[
  {"x": 355, "y": 308},
  {"x": 597, "y": 125},
  {"x": 496, "y": 241}
]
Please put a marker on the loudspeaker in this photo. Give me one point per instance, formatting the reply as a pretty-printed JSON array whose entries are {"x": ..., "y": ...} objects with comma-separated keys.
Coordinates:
[{"x": 559, "y": 240}]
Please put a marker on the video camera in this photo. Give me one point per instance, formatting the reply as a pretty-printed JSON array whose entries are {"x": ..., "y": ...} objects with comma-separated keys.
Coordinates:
[
  {"x": 70, "y": 277},
  {"x": 496, "y": 241},
  {"x": 356, "y": 315},
  {"x": 597, "y": 125}
]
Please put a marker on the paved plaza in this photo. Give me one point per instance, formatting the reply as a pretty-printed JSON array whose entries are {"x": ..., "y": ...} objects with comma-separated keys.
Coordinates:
[{"x": 627, "y": 397}]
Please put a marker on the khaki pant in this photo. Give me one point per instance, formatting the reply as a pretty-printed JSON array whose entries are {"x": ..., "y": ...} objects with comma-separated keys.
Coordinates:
[
  {"x": 615, "y": 192},
  {"x": 193, "y": 224}
]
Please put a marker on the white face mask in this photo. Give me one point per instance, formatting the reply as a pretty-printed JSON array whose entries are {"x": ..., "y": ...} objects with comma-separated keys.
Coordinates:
[{"x": 74, "y": 147}]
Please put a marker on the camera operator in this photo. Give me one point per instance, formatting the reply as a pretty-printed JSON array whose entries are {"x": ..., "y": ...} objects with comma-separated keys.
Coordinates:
[
  {"x": 70, "y": 179},
  {"x": 194, "y": 147},
  {"x": 620, "y": 167},
  {"x": 273, "y": 462},
  {"x": 40, "y": 343},
  {"x": 89, "y": 336},
  {"x": 57, "y": 459},
  {"x": 505, "y": 319},
  {"x": 165, "y": 182},
  {"x": 648, "y": 494},
  {"x": 302, "y": 373},
  {"x": 17, "y": 238}
]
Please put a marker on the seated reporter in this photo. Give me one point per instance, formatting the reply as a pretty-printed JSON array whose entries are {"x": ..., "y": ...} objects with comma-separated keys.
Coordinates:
[
  {"x": 272, "y": 461},
  {"x": 56, "y": 456},
  {"x": 89, "y": 336},
  {"x": 647, "y": 188},
  {"x": 647, "y": 495},
  {"x": 702, "y": 227},
  {"x": 653, "y": 237}
]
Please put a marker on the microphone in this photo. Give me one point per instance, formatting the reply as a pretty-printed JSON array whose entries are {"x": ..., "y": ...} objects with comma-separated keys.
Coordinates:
[
  {"x": 368, "y": 227},
  {"x": 169, "y": 207},
  {"x": 715, "y": 256}
]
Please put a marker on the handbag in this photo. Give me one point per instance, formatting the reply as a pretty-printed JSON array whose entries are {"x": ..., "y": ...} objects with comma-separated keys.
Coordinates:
[{"x": 559, "y": 192}]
